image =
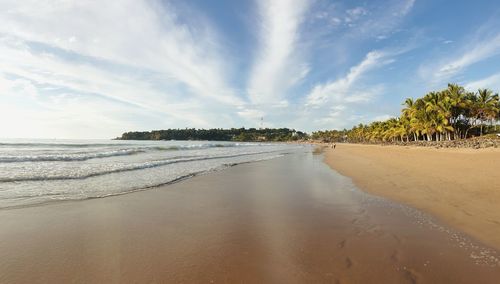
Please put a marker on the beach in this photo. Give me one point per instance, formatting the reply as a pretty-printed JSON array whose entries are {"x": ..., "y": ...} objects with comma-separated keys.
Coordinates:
[
  {"x": 459, "y": 186},
  {"x": 287, "y": 220}
]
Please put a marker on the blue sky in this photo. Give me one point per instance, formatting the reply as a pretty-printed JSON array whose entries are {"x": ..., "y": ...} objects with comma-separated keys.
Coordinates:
[{"x": 94, "y": 69}]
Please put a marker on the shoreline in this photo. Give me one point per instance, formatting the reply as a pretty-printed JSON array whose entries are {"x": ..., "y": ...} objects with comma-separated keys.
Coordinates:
[
  {"x": 459, "y": 186},
  {"x": 290, "y": 219},
  {"x": 484, "y": 142}
]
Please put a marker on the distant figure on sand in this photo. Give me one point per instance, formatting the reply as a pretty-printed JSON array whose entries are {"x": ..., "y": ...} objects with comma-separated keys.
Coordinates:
[{"x": 334, "y": 145}]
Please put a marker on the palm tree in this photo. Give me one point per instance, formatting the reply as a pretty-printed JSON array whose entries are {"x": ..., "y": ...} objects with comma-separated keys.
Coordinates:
[
  {"x": 498, "y": 116},
  {"x": 408, "y": 115},
  {"x": 458, "y": 103},
  {"x": 443, "y": 115},
  {"x": 486, "y": 106}
]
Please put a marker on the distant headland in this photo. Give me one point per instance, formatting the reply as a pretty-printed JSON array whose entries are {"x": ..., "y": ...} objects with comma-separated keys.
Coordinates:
[{"x": 218, "y": 134}]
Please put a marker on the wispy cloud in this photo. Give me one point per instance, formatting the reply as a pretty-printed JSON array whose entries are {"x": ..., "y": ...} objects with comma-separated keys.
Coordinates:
[
  {"x": 480, "y": 51},
  {"x": 155, "y": 39},
  {"x": 161, "y": 64},
  {"x": 490, "y": 82},
  {"x": 405, "y": 8},
  {"x": 354, "y": 14},
  {"x": 347, "y": 100},
  {"x": 383, "y": 20},
  {"x": 136, "y": 65},
  {"x": 345, "y": 89},
  {"x": 482, "y": 45},
  {"x": 368, "y": 21},
  {"x": 278, "y": 65}
]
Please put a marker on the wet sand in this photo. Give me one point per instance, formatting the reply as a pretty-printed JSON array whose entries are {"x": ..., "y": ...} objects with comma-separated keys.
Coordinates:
[
  {"x": 460, "y": 186},
  {"x": 286, "y": 220}
]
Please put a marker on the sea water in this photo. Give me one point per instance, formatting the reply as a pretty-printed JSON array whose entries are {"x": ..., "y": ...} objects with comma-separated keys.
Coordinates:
[{"x": 40, "y": 171}]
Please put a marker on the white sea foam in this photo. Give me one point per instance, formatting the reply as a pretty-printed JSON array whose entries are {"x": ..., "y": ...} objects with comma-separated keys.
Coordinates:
[{"x": 40, "y": 171}]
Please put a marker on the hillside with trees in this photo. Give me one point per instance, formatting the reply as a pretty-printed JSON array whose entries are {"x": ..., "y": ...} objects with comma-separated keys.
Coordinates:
[
  {"x": 218, "y": 134},
  {"x": 449, "y": 114}
]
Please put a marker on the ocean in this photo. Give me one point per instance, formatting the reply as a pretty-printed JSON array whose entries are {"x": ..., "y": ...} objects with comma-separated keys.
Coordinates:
[{"x": 40, "y": 171}]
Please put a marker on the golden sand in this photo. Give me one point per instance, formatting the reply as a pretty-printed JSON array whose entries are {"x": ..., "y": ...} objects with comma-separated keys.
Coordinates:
[
  {"x": 460, "y": 186},
  {"x": 287, "y": 220}
]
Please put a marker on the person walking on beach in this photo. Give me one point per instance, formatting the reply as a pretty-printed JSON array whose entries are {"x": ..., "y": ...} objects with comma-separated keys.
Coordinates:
[{"x": 334, "y": 145}]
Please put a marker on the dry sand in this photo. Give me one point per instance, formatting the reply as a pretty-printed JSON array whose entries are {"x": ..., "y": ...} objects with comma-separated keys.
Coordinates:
[
  {"x": 460, "y": 186},
  {"x": 287, "y": 220}
]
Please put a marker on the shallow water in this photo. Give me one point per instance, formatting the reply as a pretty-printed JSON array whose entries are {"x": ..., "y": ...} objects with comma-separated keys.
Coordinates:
[
  {"x": 40, "y": 171},
  {"x": 285, "y": 220}
]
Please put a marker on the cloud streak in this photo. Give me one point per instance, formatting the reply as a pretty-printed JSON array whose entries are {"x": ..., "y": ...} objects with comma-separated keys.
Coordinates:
[
  {"x": 278, "y": 64},
  {"x": 491, "y": 82},
  {"x": 114, "y": 66},
  {"x": 161, "y": 66},
  {"x": 344, "y": 89},
  {"x": 482, "y": 45},
  {"x": 479, "y": 52}
]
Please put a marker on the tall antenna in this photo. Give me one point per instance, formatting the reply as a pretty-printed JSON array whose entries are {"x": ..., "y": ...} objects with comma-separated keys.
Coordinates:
[{"x": 262, "y": 122}]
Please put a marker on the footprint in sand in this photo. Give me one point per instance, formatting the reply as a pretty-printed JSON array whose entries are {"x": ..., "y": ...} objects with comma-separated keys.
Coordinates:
[
  {"x": 395, "y": 256},
  {"x": 376, "y": 230},
  {"x": 348, "y": 262},
  {"x": 411, "y": 276},
  {"x": 341, "y": 244},
  {"x": 466, "y": 213},
  {"x": 397, "y": 238},
  {"x": 494, "y": 221}
]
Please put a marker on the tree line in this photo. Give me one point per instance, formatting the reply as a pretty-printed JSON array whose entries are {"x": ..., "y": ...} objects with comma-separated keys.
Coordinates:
[
  {"x": 449, "y": 114},
  {"x": 218, "y": 134}
]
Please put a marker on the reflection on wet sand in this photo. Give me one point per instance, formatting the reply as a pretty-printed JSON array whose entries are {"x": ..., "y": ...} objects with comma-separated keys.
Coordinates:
[{"x": 287, "y": 220}]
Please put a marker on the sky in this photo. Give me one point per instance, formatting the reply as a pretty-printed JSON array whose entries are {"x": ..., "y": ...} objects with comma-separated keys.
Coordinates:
[{"x": 95, "y": 69}]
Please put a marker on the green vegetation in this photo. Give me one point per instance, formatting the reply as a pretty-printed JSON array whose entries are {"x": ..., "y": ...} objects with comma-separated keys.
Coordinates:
[
  {"x": 233, "y": 134},
  {"x": 450, "y": 114}
]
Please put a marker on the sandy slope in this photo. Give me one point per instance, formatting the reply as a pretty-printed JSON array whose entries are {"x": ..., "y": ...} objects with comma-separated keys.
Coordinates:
[
  {"x": 460, "y": 186},
  {"x": 286, "y": 220}
]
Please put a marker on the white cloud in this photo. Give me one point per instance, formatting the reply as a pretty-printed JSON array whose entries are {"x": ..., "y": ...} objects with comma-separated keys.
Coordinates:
[
  {"x": 344, "y": 89},
  {"x": 122, "y": 65},
  {"x": 338, "y": 103},
  {"x": 154, "y": 38},
  {"x": 375, "y": 20},
  {"x": 354, "y": 14},
  {"x": 472, "y": 53},
  {"x": 333, "y": 116},
  {"x": 405, "y": 8},
  {"x": 278, "y": 65},
  {"x": 251, "y": 116},
  {"x": 51, "y": 70},
  {"x": 121, "y": 51},
  {"x": 382, "y": 117},
  {"x": 33, "y": 115},
  {"x": 480, "y": 52},
  {"x": 490, "y": 82}
]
